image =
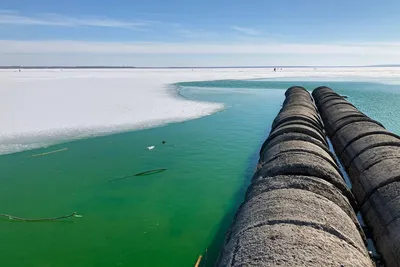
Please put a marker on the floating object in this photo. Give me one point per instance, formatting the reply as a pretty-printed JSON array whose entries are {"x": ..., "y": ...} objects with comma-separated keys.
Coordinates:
[
  {"x": 150, "y": 147},
  {"x": 163, "y": 142},
  {"x": 198, "y": 261},
  {"x": 151, "y": 172},
  {"x": 15, "y": 218},
  {"x": 344, "y": 96},
  {"x": 50, "y": 152}
]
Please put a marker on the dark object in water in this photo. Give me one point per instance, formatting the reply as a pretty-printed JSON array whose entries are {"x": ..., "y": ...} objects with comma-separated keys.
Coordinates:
[
  {"x": 163, "y": 142},
  {"x": 150, "y": 172},
  {"x": 344, "y": 96},
  {"x": 40, "y": 219}
]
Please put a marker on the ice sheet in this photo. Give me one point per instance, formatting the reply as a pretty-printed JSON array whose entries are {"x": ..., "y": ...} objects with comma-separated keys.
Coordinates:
[{"x": 43, "y": 107}]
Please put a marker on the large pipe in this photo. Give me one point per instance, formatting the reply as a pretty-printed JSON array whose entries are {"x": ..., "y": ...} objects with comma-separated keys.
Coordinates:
[
  {"x": 298, "y": 210},
  {"x": 371, "y": 156}
]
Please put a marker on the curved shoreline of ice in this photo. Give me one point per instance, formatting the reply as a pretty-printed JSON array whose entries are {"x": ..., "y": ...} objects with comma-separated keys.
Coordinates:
[{"x": 41, "y": 107}]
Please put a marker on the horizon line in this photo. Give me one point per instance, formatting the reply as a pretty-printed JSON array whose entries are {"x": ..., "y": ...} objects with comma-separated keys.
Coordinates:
[{"x": 186, "y": 67}]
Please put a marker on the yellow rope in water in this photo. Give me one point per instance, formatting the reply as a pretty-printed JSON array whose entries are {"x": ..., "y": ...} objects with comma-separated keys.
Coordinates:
[
  {"x": 50, "y": 152},
  {"x": 198, "y": 261}
]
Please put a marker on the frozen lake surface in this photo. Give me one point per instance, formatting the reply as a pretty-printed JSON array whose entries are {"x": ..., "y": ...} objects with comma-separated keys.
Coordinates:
[{"x": 43, "y": 107}]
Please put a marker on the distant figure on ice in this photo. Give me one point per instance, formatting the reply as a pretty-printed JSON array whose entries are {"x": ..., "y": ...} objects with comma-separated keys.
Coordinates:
[{"x": 274, "y": 69}]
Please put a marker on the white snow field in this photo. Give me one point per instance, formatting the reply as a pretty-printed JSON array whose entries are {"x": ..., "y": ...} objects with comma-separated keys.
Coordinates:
[{"x": 41, "y": 107}]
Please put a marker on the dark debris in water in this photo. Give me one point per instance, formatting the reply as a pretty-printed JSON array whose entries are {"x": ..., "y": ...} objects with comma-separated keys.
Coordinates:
[{"x": 146, "y": 173}]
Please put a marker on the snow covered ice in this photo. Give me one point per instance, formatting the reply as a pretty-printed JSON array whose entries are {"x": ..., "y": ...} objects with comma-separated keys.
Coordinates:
[{"x": 41, "y": 107}]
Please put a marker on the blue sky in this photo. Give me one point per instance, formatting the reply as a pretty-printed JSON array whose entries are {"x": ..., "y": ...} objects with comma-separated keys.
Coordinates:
[{"x": 199, "y": 33}]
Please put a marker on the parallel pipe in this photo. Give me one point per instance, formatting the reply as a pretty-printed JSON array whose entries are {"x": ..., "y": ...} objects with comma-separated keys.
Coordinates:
[
  {"x": 298, "y": 210},
  {"x": 371, "y": 156}
]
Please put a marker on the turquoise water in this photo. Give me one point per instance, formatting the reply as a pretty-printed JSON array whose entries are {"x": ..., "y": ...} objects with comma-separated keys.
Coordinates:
[{"x": 165, "y": 219}]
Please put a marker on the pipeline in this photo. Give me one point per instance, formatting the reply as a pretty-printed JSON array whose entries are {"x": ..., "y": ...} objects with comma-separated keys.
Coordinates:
[
  {"x": 371, "y": 156},
  {"x": 297, "y": 210}
]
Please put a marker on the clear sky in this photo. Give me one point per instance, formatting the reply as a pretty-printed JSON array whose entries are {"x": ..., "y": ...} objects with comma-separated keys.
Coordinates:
[{"x": 199, "y": 32}]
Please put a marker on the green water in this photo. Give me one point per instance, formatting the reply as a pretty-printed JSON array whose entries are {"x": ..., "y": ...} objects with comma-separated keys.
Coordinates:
[{"x": 166, "y": 219}]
